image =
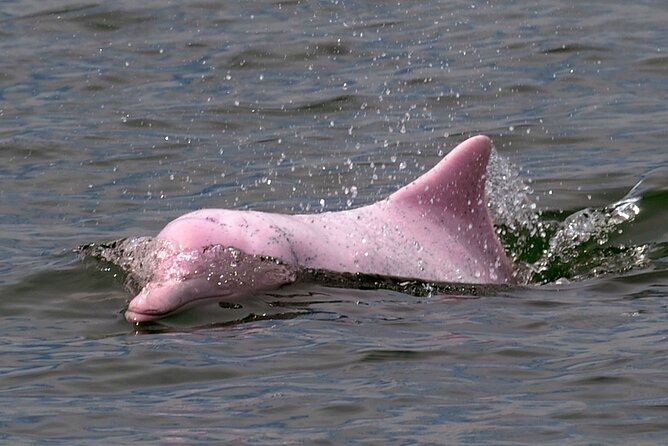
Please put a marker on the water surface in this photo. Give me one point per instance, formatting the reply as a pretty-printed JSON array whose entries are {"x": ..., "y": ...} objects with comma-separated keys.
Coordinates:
[{"x": 116, "y": 118}]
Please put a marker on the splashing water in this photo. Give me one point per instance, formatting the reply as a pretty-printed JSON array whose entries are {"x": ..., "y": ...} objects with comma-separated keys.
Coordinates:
[
  {"x": 137, "y": 257},
  {"x": 509, "y": 198},
  {"x": 547, "y": 251}
]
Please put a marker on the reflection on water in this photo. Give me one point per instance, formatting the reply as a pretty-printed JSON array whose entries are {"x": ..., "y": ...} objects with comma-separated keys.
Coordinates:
[{"x": 116, "y": 118}]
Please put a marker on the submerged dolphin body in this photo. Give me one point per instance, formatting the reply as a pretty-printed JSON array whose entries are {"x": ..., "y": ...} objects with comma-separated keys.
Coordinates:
[{"x": 436, "y": 228}]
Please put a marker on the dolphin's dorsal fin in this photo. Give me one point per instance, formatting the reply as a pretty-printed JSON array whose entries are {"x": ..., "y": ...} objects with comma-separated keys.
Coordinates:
[{"x": 454, "y": 187}]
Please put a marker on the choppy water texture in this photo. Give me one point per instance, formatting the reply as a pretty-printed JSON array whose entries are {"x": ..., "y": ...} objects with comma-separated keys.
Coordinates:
[{"x": 116, "y": 118}]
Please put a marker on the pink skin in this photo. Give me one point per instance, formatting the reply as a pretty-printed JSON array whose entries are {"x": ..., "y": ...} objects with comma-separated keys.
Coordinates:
[{"x": 436, "y": 228}]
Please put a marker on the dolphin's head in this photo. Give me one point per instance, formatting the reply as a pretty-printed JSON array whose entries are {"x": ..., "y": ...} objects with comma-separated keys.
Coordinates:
[
  {"x": 159, "y": 299},
  {"x": 216, "y": 272}
]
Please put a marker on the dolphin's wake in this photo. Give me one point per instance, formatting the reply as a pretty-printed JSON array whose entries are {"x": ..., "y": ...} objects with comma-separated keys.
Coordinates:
[{"x": 545, "y": 249}]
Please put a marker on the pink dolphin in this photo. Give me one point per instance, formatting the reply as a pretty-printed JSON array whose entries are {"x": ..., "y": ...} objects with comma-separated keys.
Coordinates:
[{"x": 436, "y": 228}]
